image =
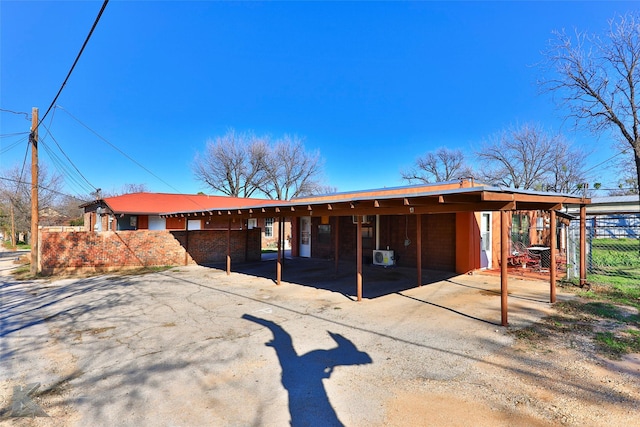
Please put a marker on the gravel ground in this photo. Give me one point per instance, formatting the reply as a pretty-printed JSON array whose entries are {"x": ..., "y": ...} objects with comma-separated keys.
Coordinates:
[{"x": 193, "y": 346}]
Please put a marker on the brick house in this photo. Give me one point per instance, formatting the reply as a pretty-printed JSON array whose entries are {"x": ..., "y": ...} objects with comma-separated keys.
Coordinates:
[
  {"x": 458, "y": 226},
  {"x": 455, "y": 223},
  {"x": 142, "y": 211},
  {"x": 453, "y": 226}
]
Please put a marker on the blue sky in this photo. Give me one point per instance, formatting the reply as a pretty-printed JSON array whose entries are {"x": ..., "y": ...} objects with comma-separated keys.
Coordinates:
[{"x": 371, "y": 85}]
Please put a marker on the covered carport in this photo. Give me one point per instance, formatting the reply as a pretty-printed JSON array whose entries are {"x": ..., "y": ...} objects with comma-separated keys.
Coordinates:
[{"x": 458, "y": 197}]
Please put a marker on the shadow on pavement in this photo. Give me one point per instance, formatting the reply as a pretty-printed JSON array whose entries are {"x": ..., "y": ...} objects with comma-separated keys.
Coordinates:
[
  {"x": 302, "y": 375},
  {"x": 322, "y": 274}
]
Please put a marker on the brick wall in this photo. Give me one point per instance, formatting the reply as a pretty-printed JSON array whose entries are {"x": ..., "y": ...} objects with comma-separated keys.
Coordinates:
[
  {"x": 438, "y": 240},
  {"x": 91, "y": 251},
  {"x": 210, "y": 246}
]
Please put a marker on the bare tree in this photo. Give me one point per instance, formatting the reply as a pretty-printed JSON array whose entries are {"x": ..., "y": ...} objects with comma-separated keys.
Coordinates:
[
  {"x": 232, "y": 164},
  {"x": 134, "y": 188},
  {"x": 124, "y": 189},
  {"x": 627, "y": 183},
  {"x": 290, "y": 171},
  {"x": 567, "y": 172},
  {"x": 15, "y": 196},
  {"x": 439, "y": 166},
  {"x": 518, "y": 157},
  {"x": 529, "y": 158},
  {"x": 70, "y": 211},
  {"x": 597, "y": 79},
  {"x": 242, "y": 165}
]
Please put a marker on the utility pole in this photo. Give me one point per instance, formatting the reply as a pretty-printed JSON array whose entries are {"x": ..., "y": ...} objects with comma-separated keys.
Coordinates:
[
  {"x": 34, "y": 191},
  {"x": 13, "y": 227}
]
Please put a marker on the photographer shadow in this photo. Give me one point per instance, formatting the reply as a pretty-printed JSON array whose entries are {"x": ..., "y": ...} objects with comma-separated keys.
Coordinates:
[{"x": 302, "y": 375}]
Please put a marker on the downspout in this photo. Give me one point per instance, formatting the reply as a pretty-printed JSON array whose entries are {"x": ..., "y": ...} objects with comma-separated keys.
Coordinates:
[{"x": 377, "y": 232}]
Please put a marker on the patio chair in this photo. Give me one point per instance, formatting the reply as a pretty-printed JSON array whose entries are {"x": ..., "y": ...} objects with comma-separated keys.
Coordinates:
[{"x": 528, "y": 258}]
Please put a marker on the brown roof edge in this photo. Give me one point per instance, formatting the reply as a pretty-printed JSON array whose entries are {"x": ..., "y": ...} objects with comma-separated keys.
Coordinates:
[{"x": 394, "y": 191}]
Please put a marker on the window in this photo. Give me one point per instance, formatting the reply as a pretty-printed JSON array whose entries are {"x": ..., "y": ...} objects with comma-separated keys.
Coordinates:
[
  {"x": 268, "y": 227},
  {"x": 324, "y": 234},
  {"x": 367, "y": 237},
  {"x": 520, "y": 224}
]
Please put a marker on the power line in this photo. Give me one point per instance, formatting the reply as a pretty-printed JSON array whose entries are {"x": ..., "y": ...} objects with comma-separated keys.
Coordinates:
[
  {"x": 607, "y": 160},
  {"x": 66, "y": 172},
  {"x": 26, "y": 115},
  {"x": 20, "y": 181},
  {"x": 127, "y": 156},
  {"x": 118, "y": 149},
  {"x": 14, "y": 144},
  {"x": 65, "y": 154},
  {"x": 6, "y": 135},
  {"x": 95, "y": 23},
  {"x": 61, "y": 165},
  {"x": 24, "y": 161}
]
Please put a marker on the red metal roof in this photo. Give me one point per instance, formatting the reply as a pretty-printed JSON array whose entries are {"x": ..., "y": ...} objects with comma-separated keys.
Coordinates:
[{"x": 157, "y": 203}]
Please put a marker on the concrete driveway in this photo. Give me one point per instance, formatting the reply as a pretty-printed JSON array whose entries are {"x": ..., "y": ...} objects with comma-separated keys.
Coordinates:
[{"x": 193, "y": 346}]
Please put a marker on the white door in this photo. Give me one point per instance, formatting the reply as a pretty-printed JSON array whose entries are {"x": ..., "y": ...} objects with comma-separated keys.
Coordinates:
[
  {"x": 305, "y": 236},
  {"x": 485, "y": 240}
]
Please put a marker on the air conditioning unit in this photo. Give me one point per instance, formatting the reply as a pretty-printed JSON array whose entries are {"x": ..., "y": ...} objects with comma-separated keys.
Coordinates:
[{"x": 383, "y": 258}]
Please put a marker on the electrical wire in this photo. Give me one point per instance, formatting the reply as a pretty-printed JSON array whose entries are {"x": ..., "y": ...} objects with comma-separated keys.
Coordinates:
[
  {"x": 70, "y": 177},
  {"x": 118, "y": 149},
  {"x": 134, "y": 161},
  {"x": 7, "y": 135},
  {"x": 42, "y": 187},
  {"x": 93, "y": 27},
  {"x": 73, "y": 175},
  {"x": 625, "y": 151},
  {"x": 9, "y": 147},
  {"x": 69, "y": 173},
  {"x": 24, "y": 161},
  {"x": 27, "y": 116}
]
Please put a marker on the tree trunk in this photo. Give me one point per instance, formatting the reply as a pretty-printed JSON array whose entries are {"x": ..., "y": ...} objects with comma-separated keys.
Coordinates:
[{"x": 636, "y": 153}]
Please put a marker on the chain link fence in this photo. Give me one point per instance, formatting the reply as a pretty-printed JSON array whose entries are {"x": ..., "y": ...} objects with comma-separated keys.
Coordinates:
[{"x": 612, "y": 248}]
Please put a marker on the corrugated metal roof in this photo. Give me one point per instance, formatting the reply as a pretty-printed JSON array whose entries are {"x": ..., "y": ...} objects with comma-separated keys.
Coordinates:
[
  {"x": 614, "y": 199},
  {"x": 608, "y": 205}
]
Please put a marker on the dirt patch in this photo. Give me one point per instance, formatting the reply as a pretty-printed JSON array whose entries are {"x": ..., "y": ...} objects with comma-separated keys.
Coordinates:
[
  {"x": 450, "y": 409},
  {"x": 541, "y": 380}
]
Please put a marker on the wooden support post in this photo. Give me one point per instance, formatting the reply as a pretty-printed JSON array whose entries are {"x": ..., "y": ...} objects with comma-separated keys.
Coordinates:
[
  {"x": 34, "y": 192},
  {"x": 279, "y": 258},
  {"x": 504, "y": 254},
  {"x": 186, "y": 241},
  {"x": 229, "y": 247},
  {"x": 552, "y": 257},
  {"x": 419, "y": 247},
  {"x": 13, "y": 228},
  {"x": 336, "y": 249},
  {"x": 281, "y": 228},
  {"x": 359, "y": 259},
  {"x": 583, "y": 245}
]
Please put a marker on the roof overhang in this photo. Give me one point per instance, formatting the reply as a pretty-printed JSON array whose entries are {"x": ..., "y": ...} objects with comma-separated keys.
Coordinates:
[{"x": 400, "y": 201}]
